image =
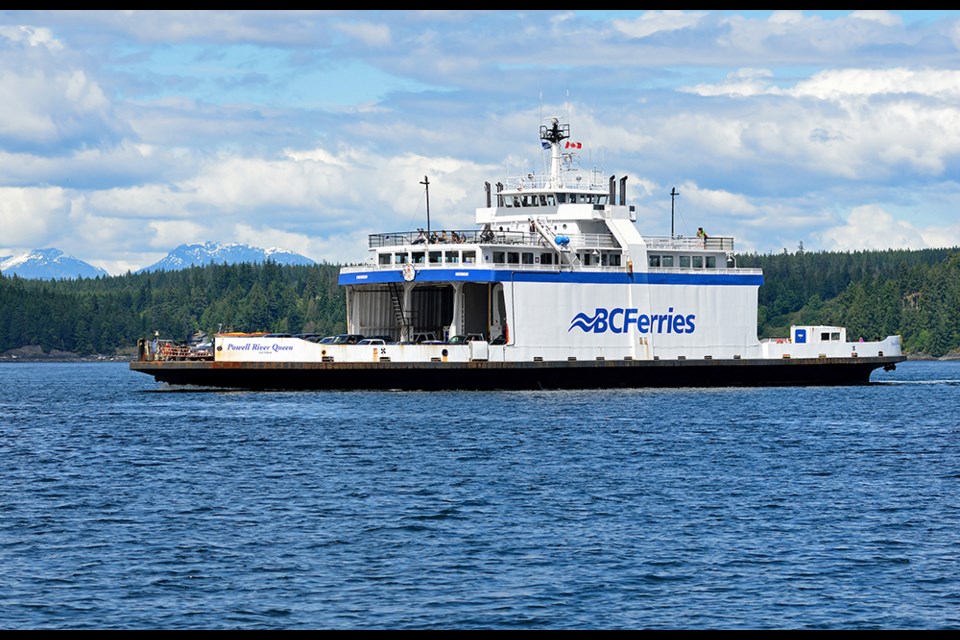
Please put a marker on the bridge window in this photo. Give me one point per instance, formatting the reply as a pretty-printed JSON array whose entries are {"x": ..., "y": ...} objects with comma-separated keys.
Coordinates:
[
  {"x": 667, "y": 261},
  {"x": 384, "y": 259},
  {"x": 527, "y": 258},
  {"x": 711, "y": 262},
  {"x": 499, "y": 257},
  {"x": 435, "y": 257},
  {"x": 400, "y": 258},
  {"x": 546, "y": 258},
  {"x": 653, "y": 261},
  {"x": 452, "y": 257},
  {"x": 684, "y": 262},
  {"x": 513, "y": 257},
  {"x": 469, "y": 257},
  {"x": 418, "y": 257}
]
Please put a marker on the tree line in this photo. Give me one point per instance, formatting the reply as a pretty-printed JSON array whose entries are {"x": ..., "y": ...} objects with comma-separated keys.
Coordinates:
[
  {"x": 914, "y": 293},
  {"x": 105, "y": 315}
]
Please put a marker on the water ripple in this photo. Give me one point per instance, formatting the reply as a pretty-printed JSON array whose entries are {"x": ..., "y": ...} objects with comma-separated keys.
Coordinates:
[{"x": 131, "y": 506}]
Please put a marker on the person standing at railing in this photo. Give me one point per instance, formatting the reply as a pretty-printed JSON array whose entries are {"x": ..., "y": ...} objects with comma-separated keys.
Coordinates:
[{"x": 702, "y": 235}]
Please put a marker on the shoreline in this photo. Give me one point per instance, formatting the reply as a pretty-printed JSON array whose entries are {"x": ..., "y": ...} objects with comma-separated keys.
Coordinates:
[{"x": 35, "y": 353}]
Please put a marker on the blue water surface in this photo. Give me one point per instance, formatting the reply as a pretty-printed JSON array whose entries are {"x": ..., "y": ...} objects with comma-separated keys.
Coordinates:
[{"x": 130, "y": 505}]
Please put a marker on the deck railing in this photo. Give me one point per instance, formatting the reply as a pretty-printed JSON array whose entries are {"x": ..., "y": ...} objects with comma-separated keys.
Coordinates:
[
  {"x": 712, "y": 243},
  {"x": 577, "y": 240}
]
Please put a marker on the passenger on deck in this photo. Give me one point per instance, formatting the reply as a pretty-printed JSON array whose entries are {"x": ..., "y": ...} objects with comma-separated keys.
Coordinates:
[
  {"x": 443, "y": 236},
  {"x": 487, "y": 234},
  {"x": 421, "y": 237}
]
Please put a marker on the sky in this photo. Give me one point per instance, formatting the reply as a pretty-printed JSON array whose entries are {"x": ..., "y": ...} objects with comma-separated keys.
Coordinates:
[{"x": 124, "y": 134}]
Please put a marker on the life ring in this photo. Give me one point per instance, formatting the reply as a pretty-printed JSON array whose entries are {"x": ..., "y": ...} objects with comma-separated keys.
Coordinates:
[{"x": 409, "y": 273}]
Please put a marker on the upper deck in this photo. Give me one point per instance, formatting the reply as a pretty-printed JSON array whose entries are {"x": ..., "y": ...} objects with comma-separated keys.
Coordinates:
[
  {"x": 566, "y": 219},
  {"x": 505, "y": 237}
]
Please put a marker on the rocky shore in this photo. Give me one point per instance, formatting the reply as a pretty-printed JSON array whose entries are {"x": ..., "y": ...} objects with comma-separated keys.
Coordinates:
[{"x": 34, "y": 353}]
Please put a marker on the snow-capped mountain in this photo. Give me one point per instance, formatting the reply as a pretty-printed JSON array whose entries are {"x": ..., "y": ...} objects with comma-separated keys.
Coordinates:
[
  {"x": 187, "y": 255},
  {"x": 48, "y": 264}
]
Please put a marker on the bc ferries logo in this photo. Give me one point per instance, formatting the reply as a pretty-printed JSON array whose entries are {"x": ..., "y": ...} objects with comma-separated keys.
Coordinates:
[{"x": 620, "y": 320}]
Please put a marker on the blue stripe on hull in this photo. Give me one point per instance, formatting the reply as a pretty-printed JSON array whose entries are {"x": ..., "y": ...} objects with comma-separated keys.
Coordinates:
[{"x": 578, "y": 277}]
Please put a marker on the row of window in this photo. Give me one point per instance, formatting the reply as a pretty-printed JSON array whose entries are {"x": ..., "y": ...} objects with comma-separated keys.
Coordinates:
[
  {"x": 587, "y": 258},
  {"x": 435, "y": 257},
  {"x": 522, "y": 257},
  {"x": 552, "y": 200},
  {"x": 682, "y": 261}
]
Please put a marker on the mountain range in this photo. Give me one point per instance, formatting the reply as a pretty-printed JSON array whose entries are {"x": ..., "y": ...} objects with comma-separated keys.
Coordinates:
[
  {"x": 53, "y": 264},
  {"x": 48, "y": 264}
]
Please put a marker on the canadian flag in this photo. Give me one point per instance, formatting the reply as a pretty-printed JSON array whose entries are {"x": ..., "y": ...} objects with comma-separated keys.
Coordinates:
[{"x": 574, "y": 145}]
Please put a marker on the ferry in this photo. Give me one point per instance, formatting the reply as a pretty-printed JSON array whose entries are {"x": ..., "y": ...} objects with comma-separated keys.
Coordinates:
[{"x": 554, "y": 288}]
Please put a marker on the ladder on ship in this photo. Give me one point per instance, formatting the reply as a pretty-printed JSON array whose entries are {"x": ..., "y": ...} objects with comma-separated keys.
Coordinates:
[
  {"x": 563, "y": 251},
  {"x": 396, "y": 299}
]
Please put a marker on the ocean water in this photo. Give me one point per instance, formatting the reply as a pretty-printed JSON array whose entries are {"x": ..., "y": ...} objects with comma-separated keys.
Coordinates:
[{"x": 127, "y": 505}]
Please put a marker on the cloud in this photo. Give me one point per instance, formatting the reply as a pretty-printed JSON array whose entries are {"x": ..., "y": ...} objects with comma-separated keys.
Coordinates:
[
  {"x": 31, "y": 36},
  {"x": 884, "y": 18},
  {"x": 869, "y": 227},
  {"x": 655, "y": 22},
  {"x": 837, "y": 85},
  {"x": 128, "y": 133},
  {"x": 374, "y": 35},
  {"x": 33, "y": 217}
]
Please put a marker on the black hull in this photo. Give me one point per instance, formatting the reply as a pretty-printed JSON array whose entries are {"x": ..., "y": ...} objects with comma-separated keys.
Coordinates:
[{"x": 490, "y": 376}]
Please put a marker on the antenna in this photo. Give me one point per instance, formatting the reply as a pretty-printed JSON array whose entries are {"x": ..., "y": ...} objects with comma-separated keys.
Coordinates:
[
  {"x": 426, "y": 188},
  {"x": 673, "y": 196}
]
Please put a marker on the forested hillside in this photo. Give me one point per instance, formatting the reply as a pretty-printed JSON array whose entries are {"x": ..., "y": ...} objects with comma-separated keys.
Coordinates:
[
  {"x": 873, "y": 293},
  {"x": 102, "y": 315}
]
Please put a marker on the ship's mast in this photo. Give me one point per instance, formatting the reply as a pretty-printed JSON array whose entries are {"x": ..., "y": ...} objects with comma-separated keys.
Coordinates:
[
  {"x": 554, "y": 133},
  {"x": 673, "y": 198},
  {"x": 426, "y": 188}
]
